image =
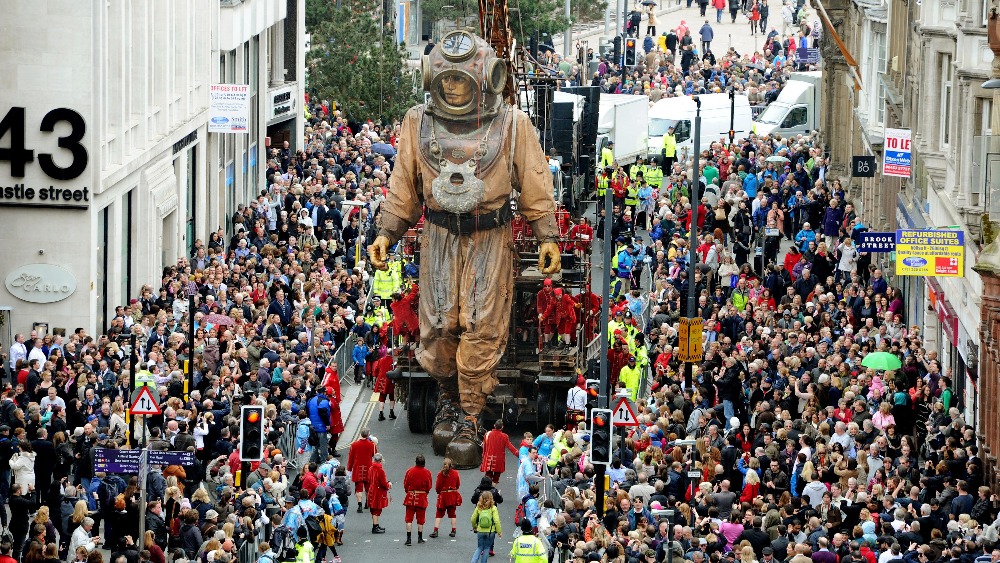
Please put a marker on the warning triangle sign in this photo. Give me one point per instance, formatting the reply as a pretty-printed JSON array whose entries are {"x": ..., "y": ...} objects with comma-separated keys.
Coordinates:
[
  {"x": 145, "y": 402},
  {"x": 624, "y": 415}
]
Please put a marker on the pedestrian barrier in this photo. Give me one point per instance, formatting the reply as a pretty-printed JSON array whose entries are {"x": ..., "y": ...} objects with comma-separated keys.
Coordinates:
[{"x": 757, "y": 110}]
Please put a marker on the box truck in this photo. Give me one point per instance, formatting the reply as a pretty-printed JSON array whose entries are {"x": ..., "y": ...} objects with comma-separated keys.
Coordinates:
[{"x": 623, "y": 119}]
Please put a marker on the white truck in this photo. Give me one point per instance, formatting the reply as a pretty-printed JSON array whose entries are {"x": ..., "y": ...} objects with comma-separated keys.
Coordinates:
[
  {"x": 718, "y": 112},
  {"x": 623, "y": 119},
  {"x": 797, "y": 108}
]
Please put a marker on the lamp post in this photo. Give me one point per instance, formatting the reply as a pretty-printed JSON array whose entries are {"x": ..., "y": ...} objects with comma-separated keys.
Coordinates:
[
  {"x": 192, "y": 290},
  {"x": 693, "y": 227},
  {"x": 732, "y": 113}
]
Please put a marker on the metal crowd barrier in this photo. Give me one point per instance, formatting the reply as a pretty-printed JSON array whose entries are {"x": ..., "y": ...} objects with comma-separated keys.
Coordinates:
[{"x": 757, "y": 110}]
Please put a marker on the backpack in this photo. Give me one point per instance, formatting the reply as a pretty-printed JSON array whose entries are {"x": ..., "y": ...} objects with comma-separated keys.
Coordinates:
[
  {"x": 313, "y": 438},
  {"x": 280, "y": 541},
  {"x": 314, "y": 528},
  {"x": 328, "y": 531},
  {"x": 484, "y": 520}
]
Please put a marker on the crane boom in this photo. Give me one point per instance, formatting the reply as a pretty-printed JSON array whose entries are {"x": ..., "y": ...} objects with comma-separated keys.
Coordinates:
[{"x": 494, "y": 25}]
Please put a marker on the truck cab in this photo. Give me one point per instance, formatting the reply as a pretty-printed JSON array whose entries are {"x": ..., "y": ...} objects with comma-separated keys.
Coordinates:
[{"x": 796, "y": 111}]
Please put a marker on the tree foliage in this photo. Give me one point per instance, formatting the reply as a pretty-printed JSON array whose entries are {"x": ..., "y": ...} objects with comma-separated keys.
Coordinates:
[
  {"x": 317, "y": 12},
  {"x": 356, "y": 62},
  {"x": 526, "y": 17}
]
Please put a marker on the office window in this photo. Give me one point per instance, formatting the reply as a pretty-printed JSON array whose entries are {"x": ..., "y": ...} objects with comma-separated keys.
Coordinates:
[
  {"x": 984, "y": 107},
  {"x": 880, "y": 68},
  {"x": 947, "y": 75}
]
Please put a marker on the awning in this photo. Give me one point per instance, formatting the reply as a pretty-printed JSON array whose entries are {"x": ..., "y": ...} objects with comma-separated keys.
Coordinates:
[{"x": 853, "y": 64}]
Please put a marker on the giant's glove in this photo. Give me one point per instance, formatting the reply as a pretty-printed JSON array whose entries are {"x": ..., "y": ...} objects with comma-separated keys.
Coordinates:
[
  {"x": 547, "y": 250},
  {"x": 378, "y": 253}
]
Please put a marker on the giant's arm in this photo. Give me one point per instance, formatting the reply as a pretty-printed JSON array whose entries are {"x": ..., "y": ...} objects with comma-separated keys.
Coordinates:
[{"x": 403, "y": 205}]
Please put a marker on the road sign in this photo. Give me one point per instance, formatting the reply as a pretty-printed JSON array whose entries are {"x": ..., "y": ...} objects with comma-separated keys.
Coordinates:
[
  {"x": 145, "y": 403},
  {"x": 624, "y": 415},
  {"x": 876, "y": 242},
  {"x": 863, "y": 166},
  {"x": 129, "y": 461},
  {"x": 689, "y": 339}
]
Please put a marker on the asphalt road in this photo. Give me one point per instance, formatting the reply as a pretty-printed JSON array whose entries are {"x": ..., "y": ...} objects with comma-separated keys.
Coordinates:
[{"x": 400, "y": 448}]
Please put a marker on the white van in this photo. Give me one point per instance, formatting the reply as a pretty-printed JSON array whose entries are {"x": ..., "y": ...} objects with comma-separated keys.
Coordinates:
[
  {"x": 797, "y": 108},
  {"x": 679, "y": 113}
]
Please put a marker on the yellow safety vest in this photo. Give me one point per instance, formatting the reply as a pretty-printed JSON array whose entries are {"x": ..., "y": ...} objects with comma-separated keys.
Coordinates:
[
  {"x": 305, "y": 553},
  {"x": 669, "y": 146},
  {"x": 607, "y": 157},
  {"x": 632, "y": 194},
  {"x": 629, "y": 378},
  {"x": 384, "y": 284},
  {"x": 528, "y": 549},
  {"x": 145, "y": 379},
  {"x": 653, "y": 175},
  {"x": 602, "y": 185}
]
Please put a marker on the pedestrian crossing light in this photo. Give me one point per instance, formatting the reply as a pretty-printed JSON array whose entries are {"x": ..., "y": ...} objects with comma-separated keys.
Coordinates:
[
  {"x": 600, "y": 436},
  {"x": 252, "y": 433},
  {"x": 630, "y": 52}
]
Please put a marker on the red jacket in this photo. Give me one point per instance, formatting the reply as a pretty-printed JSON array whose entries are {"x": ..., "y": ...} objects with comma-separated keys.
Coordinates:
[
  {"x": 331, "y": 380},
  {"x": 494, "y": 456},
  {"x": 750, "y": 492},
  {"x": 566, "y": 314},
  {"x": 378, "y": 487},
  {"x": 359, "y": 459},
  {"x": 309, "y": 483},
  {"x": 416, "y": 484},
  {"x": 447, "y": 487}
]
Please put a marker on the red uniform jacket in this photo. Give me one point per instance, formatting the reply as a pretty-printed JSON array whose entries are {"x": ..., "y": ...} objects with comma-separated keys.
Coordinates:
[
  {"x": 404, "y": 313},
  {"x": 545, "y": 304},
  {"x": 447, "y": 489},
  {"x": 378, "y": 487},
  {"x": 494, "y": 456},
  {"x": 583, "y": 235},
  {"x": 359, "y": 459},
  {"x": 380, "y": 370},
  {"x": 331, "y": 380},
  {"x": 417, "y": 483},
  {"x": 566, "y": 314}
]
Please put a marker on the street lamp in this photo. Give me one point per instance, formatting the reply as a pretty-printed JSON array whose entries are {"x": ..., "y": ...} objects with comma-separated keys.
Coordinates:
[{"x": 191, "y": 289}]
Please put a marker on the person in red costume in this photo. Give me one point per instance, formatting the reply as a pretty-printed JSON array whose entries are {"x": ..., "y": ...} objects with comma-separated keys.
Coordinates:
[
  {"x": 565, "y": 316},
  {"x": 565, "y": 222},
  {"x": 523, "y": 235},
  {"x": 331, "y": 380},
  {"x": 449, "y": 498},
  {"x": 359, "y": 461},
  {"x": 385, "y": 387},
  {"x": 545, "y": 302},
  {"x": 582, "y": 235},
  {"x": 618, "y": 355},
  {"x": 378, "y": 491},
  {"x": 405, "y": 322},
  {"x": 417, "y": 484},
  {"x": 494, "y": 457},
  {"x": 589, "y": 305}
]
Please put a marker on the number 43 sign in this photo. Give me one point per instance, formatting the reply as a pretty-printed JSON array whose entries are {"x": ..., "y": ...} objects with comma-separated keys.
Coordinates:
[{"x": 863, "y": 166}]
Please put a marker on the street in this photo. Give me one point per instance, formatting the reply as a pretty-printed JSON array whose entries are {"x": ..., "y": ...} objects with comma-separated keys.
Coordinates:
[{"x": 400, "y": 448}]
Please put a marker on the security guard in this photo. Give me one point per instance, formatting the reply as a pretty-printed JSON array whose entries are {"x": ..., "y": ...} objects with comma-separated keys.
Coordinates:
[
  {"x": 632, "y": 193},
  {"x": 669, "y": 152},
  {"x": 143, "y": 377},
  {"x": 603, "y": 180},
  {"x": 629, "y": 377},
  {"x": 608, "y": 155},
  {"x": 636, "y": 168},
  {"x": 377, "y": 314},
  {"x": 653, "y": 175},
  {"x": 304, "y": 551},
  {"x": 528, "y": 548},
  {"x": 388, "y": 281}
]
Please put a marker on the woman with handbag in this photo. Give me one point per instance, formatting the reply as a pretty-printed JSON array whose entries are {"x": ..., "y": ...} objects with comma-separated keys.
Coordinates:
[{"x": 486, "y": 524}]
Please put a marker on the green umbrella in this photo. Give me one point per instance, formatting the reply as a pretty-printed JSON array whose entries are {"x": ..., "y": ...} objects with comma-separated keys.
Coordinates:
[{"x": 881, "y": 361}]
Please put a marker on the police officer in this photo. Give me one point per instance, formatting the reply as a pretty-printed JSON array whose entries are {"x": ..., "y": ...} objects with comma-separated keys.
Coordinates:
[
  {"x": 608, "y": 155},
  {"x": 528, "y": 548},
  {"x": 603, "y": 180}
]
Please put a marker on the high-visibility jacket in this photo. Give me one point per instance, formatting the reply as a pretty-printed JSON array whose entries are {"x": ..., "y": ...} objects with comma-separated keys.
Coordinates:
[
  {"x": 386, "y": 282},
  {"x": 653, "y": 175},
  {"x": 304, "y": 553},
  {"x": 602, "y": 185},
  {"x": 379, "y": 317},
  {"x": 632, "y": 194},
  {"x": 669, "y": 146},
  {"x": 145, "y": 378},
  {"x": 607, "y": 157},
  {"x": 629, "y": 377},
  {"x": 528, "y": 549}
]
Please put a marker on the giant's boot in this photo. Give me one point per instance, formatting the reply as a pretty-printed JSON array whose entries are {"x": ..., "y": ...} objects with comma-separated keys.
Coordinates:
[
  {"x": 466, "y": 449},
  {"x": 447, "y": 418}
]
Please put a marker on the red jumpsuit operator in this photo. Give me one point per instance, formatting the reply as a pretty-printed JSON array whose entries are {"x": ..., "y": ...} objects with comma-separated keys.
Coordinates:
[
  {"x": 565, "y": 316},
  {"x": 545, "y": 306}
]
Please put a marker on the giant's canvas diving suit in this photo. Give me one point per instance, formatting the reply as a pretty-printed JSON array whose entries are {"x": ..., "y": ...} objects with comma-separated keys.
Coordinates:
[{"x": 460, "y": 158}]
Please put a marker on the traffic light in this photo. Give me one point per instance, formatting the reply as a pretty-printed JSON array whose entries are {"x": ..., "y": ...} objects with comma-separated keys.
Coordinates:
[
  {"x": 630, "y": 51},
  {"x": 251, "y": 433},
  {"x": 600, "y": 436},
  {"x": 593, "y": 387},
  {"x": 618, "y": 50}
]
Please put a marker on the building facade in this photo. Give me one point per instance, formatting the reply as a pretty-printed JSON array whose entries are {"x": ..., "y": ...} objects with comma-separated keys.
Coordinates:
[
  {"x": 922, "y": 66},
  {"x": 113, "y": 173}
]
